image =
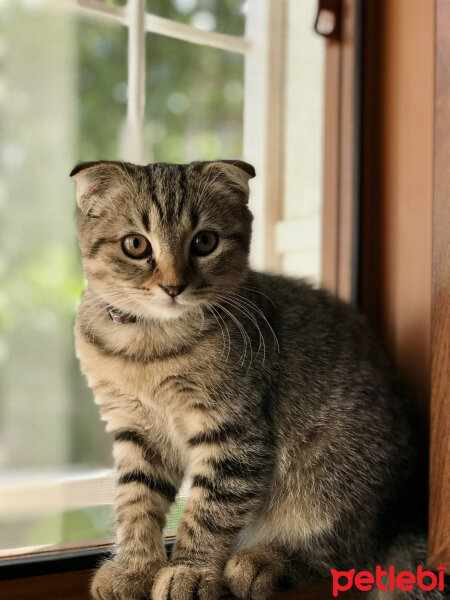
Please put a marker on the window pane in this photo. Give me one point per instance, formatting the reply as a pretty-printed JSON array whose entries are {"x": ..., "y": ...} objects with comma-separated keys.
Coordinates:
[
  {"x": 101, "y": 77},
  {"x": 194, "y": 101},
  {"x": 58, "y": 74},
  {"x": 224, "y": 16}
]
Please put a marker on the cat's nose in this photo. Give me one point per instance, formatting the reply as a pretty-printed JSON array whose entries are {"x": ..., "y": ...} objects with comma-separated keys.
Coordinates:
[{"x": 173, "y": 290}]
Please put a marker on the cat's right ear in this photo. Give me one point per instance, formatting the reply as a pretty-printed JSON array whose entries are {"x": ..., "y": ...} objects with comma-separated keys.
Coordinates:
[{"x": 95, "y": 179}]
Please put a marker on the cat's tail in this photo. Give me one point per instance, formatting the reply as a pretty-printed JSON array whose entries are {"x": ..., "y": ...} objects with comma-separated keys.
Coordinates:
[{"x": 408, "y": 554}]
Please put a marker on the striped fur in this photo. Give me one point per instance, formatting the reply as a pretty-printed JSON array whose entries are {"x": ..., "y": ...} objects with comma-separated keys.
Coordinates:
[{"x": 271, "y": 397}]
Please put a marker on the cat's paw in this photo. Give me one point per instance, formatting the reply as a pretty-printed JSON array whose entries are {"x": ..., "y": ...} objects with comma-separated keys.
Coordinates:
[
  {"x": 252, "y": 574},
  {"x": 114, "y": 581},
  {"x": 183, "y": 582}
]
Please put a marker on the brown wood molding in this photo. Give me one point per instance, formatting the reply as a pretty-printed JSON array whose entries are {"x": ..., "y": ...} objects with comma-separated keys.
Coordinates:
[
  {"x": 339, "y": 156},
  {"x": 439, "y": 545},
  {"x": 73, "y": 585}
]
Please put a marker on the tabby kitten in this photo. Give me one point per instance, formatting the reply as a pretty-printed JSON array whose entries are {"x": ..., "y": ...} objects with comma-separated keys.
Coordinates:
[{"x": 271, "y": 397}]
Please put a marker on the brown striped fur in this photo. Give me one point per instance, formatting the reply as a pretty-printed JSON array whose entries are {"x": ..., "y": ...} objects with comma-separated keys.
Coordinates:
[{"x": 272, "y": 398}]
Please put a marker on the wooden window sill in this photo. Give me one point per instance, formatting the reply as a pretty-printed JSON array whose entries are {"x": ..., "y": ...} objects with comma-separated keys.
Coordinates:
[{"x": 74, "y": 585}]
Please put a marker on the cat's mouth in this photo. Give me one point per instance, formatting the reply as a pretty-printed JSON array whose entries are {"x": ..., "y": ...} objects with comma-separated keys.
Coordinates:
[
  {"x": 169, "y": 308},
  {"x": 151, "y": 306}
]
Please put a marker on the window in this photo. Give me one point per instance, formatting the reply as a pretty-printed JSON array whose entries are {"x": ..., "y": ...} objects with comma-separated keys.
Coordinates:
[{"x": 162, "y": 80}]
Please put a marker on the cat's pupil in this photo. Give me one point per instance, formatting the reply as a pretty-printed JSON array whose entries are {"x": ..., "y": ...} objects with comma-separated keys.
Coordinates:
[
  {"x": 204, "y": 243},
  {"x": 136, "y": 242}
]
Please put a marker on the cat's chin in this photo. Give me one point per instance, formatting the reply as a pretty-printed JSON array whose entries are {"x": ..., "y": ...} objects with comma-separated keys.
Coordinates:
[{"x": 167, "y": 311}]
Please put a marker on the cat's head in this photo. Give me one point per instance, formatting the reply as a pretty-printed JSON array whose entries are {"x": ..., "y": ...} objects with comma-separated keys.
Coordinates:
[{"x": 159, "y": 240}]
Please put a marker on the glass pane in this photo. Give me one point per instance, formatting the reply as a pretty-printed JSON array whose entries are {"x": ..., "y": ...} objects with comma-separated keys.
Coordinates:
[
  {"x": 194, "y": 101},
  {"x": 50, "y": 102},
  {"x": 101, "y": 77},
  {"x": 224, "y": 16}
]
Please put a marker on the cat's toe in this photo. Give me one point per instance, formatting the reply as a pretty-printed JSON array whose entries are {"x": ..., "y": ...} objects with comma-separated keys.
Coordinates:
[
  {"x": 114, "y": 581},
  {"x": 102, "y": 585},
  {"x": 250, "y": 577},
  {"x": 183, "y": 582}
]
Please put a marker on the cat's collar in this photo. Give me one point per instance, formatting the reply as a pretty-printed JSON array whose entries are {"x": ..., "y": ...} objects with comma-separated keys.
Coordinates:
[{"x": 118, "y": 316}]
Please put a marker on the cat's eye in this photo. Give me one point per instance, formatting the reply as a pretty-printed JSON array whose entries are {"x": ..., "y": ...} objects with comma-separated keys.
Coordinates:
[
  {"x": 204, "y": 243},
  {"x": 136, "y": 246}
]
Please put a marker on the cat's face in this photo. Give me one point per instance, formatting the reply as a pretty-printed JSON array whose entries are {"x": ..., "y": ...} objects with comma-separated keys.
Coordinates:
[{"x": 161, "y": 240}]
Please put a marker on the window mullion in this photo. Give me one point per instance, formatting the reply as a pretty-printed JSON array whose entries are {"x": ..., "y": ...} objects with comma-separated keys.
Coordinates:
[
  {"x": 95, "y": 8},
  {"x": 132, "y": 142},
  {"x": 187, "y": 33}
]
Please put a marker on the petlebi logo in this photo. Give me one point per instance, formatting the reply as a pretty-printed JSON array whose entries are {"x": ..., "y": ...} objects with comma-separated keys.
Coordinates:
[{"x": 387, "y": 580}]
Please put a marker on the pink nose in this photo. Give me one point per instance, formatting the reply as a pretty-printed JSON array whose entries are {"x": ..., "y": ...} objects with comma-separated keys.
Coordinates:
[{"x": 173, "y": 290}]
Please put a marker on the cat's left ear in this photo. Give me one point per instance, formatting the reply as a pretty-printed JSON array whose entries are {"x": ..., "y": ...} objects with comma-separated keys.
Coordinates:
[
  {"x": 95, "y": 179},
  {"x": 234, "y": 174},
  {"x": 243, "y": 166}
]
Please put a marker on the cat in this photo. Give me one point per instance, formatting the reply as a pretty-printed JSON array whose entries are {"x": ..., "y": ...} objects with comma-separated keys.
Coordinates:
[{"x": 273, "y": 398}]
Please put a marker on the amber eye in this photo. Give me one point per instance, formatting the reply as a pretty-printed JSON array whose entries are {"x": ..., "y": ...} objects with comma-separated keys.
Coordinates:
[
  {"x": 136, "y": 246},
  {"x": 204, "y": 243}
]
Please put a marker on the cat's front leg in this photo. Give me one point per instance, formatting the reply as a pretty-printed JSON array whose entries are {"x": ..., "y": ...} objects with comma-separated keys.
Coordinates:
[
  {"x": 229, "y": 471},
  {"x": 146, "y": 487}
]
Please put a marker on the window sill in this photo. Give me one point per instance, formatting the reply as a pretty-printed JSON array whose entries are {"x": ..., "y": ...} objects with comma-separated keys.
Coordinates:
[
  {"x": 75, "y": 585},
  {"x": 67, "y": 575}
]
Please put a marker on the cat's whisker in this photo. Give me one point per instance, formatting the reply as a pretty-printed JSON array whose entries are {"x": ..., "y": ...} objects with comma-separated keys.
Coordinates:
[
  {"x": 211, "y": 310},
  {"x": 246, "y": 312},
  {"x": 219, "y": 316},
  {"x": 259, "y": 311},
  {"x": 256, "y": 291},
  {"x": 244, "y": 334},
  {"x": 203, "y": 320}
]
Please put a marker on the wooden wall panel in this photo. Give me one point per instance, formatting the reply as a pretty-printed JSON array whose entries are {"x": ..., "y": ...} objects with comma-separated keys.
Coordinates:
[
  {"x": 406, "y": 216},
  {"x": 397, "y": 182}
]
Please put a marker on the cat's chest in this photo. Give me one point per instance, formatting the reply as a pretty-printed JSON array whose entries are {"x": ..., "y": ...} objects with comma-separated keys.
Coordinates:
[{"x": 169, "y": 390}]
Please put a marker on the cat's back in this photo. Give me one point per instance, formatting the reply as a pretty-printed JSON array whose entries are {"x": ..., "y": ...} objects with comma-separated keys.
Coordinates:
[
  {"x": 327, "y": 350},
  {"x": 312, "y": 319}
]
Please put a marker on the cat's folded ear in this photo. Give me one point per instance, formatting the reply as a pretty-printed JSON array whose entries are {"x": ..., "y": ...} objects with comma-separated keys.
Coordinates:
[
  {"x": 233, "y": 174},
  {"x": 243, "y": 166},
  {"x": 95, "y": 179}
]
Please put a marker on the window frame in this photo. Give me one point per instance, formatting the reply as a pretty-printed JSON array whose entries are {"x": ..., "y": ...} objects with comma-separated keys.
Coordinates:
[{"x": 342, "y": 155}]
